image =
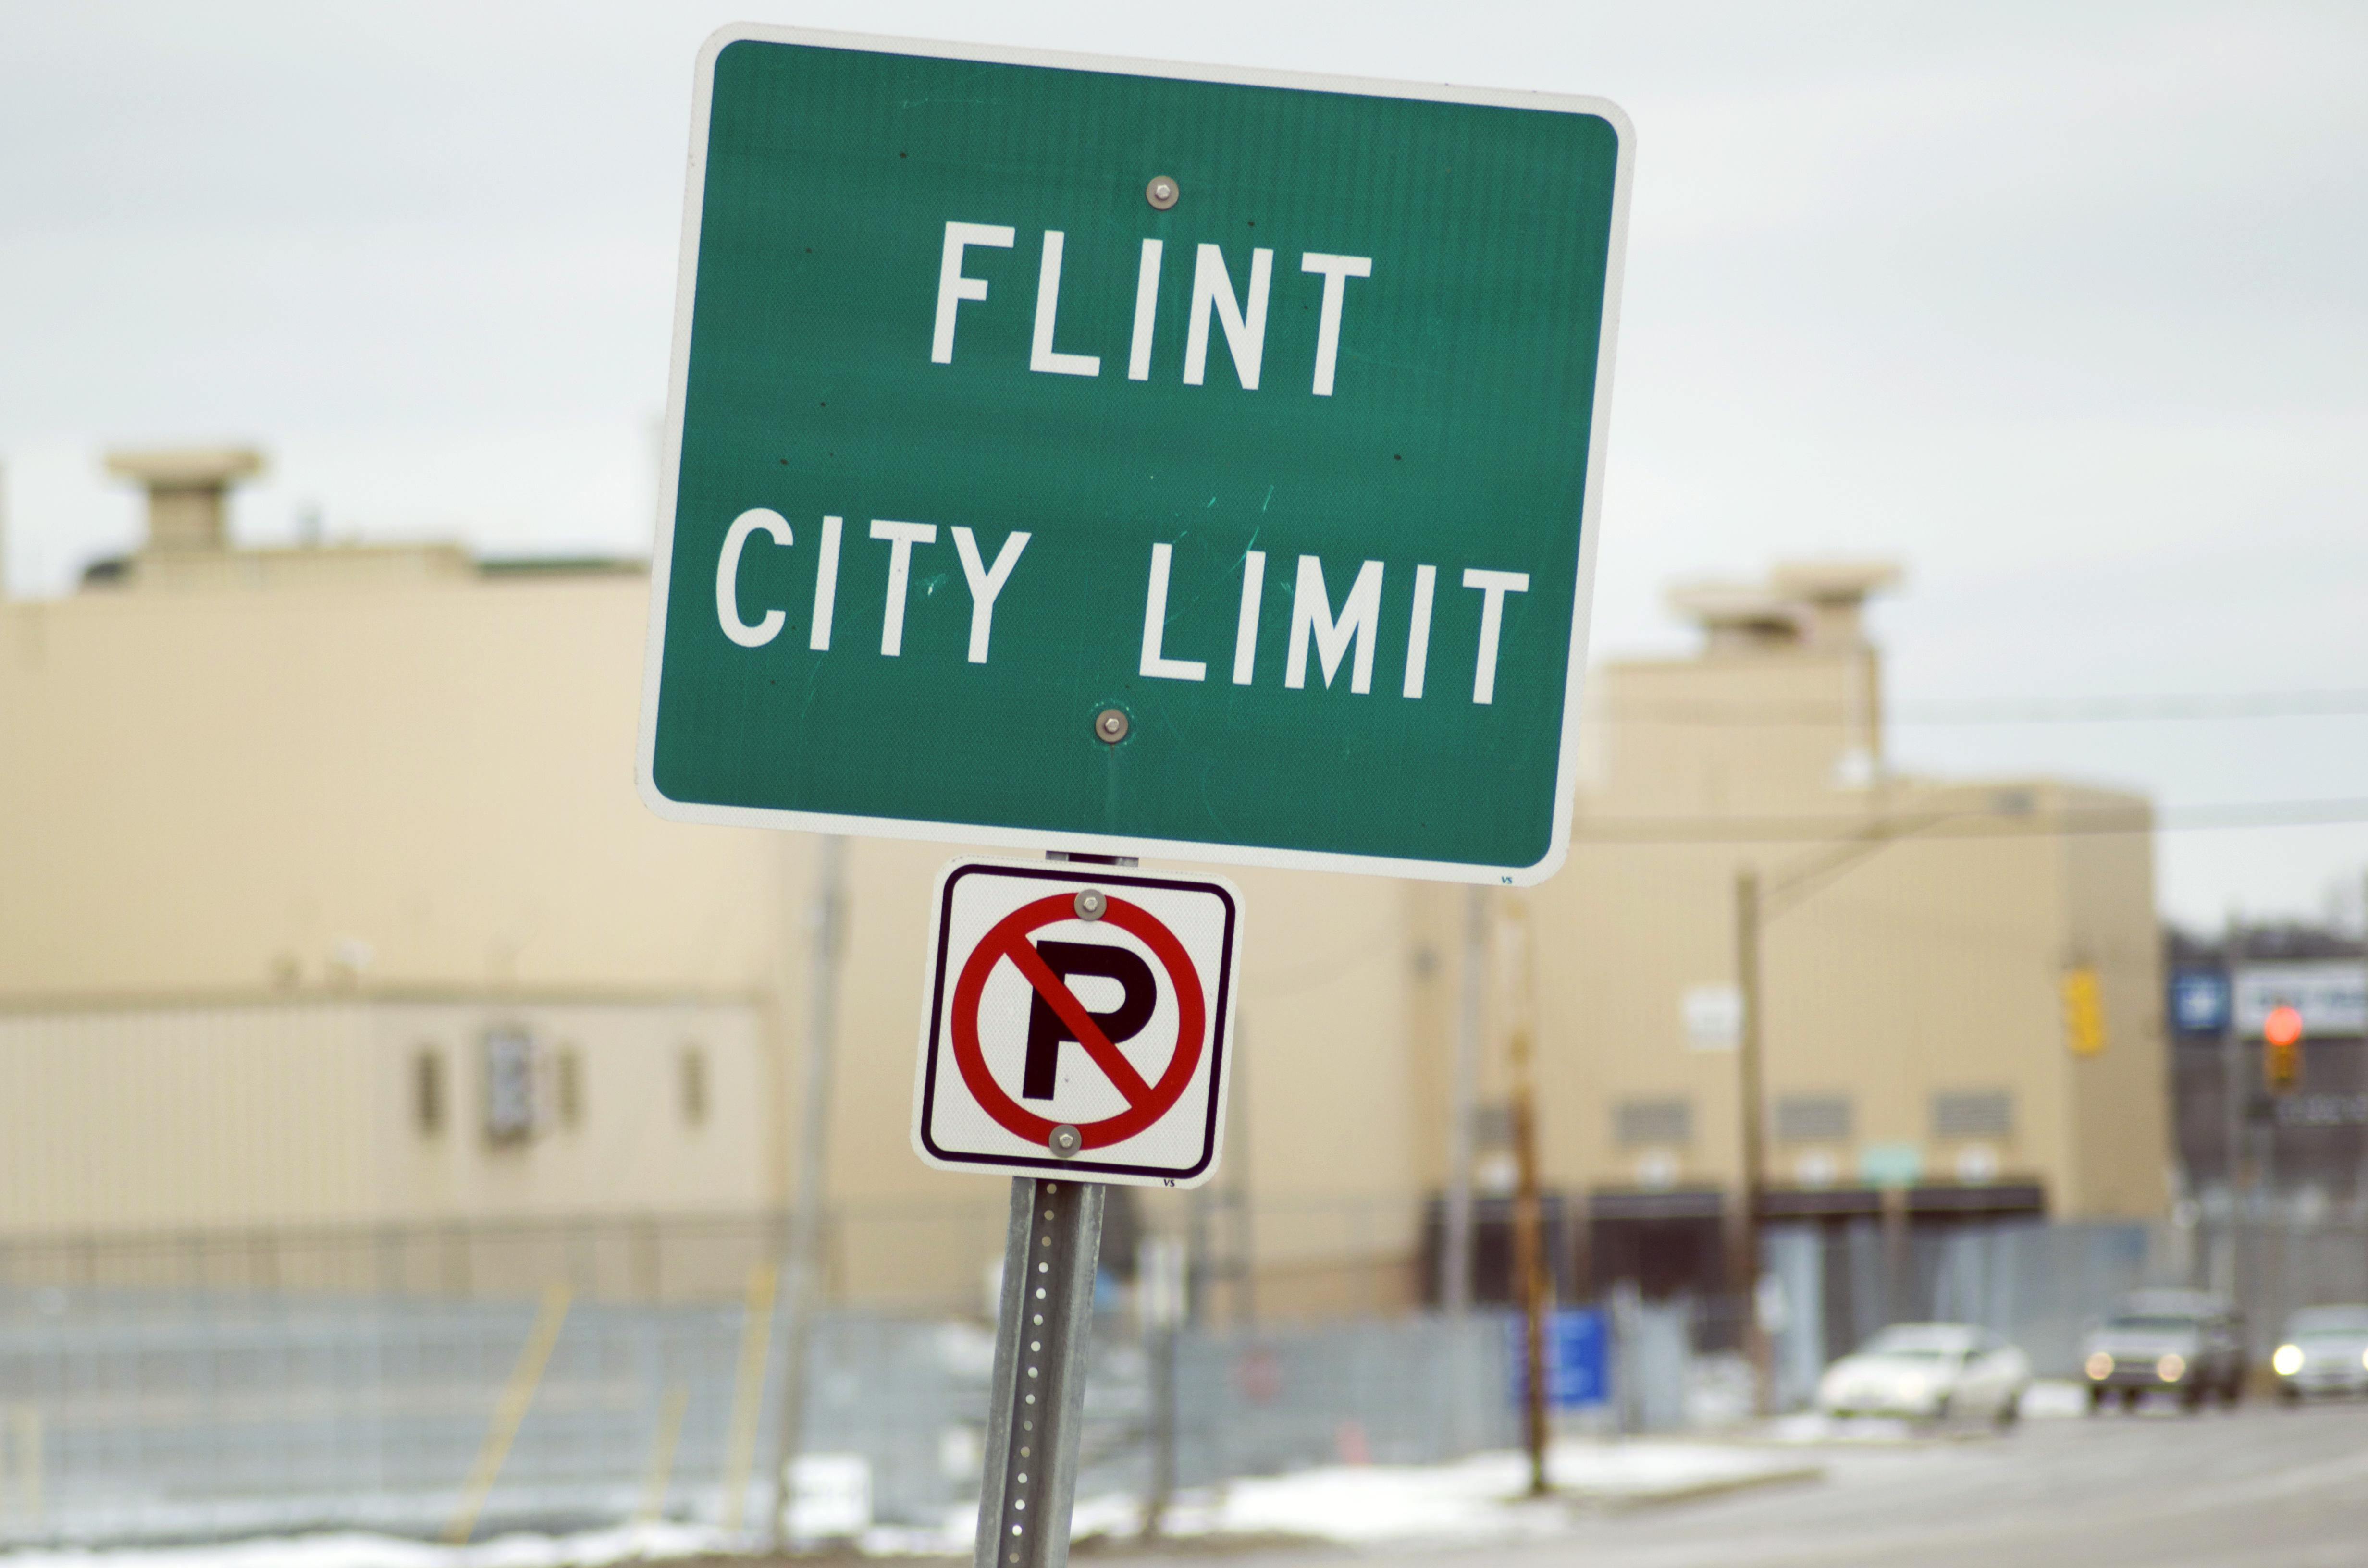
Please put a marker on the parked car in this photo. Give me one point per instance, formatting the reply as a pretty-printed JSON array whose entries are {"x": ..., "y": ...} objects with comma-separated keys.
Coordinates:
[
  {"x": 2183, "y": 1342},
  {"x": 2324, "y": 1351},
  {"x": 1928, "y": 1372}
]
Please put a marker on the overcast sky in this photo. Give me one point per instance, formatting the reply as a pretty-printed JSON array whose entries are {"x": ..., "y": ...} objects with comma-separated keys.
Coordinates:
[{"x": 2065, "y": 308}]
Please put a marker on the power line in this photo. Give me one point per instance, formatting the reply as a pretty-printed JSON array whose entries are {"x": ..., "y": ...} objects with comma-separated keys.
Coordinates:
[
  {"x": 2159, "y": 707},
  {"x": 2006, "y": 818},
  {"x": 2113, "y": 709}
]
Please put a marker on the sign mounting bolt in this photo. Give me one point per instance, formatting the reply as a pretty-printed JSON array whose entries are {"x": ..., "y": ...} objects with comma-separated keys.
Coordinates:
[
  {"x": 1066, "y": 1142},
  {"x": 1161, "y": 192},
  {"x": 1090, "y": 904},
  {"x": 1110, "y": 725}
]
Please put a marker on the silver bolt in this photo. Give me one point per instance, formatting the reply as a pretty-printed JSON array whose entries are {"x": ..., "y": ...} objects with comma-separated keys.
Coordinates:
[
  {"x": 1065, "y": 1140},
  {"x": 1161, "y": 192},
  {"x": 1090, "y": 904},
  {"x": 1112, "y": 724}
]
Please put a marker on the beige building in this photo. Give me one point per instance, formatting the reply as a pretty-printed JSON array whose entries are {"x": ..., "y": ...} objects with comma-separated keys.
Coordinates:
[
  {"x": 1918, "y": 939},
  {"x": 332, "y": 932}
]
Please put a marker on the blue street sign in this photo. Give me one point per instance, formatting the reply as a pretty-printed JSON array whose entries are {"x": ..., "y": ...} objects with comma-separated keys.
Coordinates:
[
  {"x": 2199, "y": 1001},
  {"x": 1576, "y": 1364}
]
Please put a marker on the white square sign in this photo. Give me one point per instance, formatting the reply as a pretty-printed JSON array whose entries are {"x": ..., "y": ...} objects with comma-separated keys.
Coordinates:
[{"x": 1078, "y": 1019}]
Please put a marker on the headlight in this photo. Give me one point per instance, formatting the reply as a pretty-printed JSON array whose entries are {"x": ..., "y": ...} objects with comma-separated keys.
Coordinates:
[
  {"x": 2288, "y": 1360},
  {"x": 1912, "y": 1388},
  {"x": 2170, "y": 1368},
  {"x": 2099, "y": 1366}
]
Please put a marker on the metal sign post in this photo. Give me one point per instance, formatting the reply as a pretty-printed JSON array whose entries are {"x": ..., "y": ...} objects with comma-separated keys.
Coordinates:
[
  {"x": 1044, "y": 1320},
  {"x": 1044, "y": 1330},
  {"x": 1112, "y": 457}
]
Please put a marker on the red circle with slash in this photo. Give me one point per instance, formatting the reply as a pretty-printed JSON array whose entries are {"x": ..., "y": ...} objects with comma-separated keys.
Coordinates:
[{"x": 1145, "y": 1102}]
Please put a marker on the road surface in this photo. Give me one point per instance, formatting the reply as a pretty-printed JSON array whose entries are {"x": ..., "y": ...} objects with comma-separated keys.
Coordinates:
[{"x": 2264, "y": 1487}]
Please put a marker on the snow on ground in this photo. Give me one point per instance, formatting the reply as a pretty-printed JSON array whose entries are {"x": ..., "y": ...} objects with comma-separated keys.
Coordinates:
[
  {"x": 1480, "y": 1498},
  {"x": 361, "y": 1549},
  {"x": 1477, "y": 1499},
  {"x": 2051, "y": 1400},
  {"x": 2047, "y": 1399},
  {"x": 1808, "y": 1427}
]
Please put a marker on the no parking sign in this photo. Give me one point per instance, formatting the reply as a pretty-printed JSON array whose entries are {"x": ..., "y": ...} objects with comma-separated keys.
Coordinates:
[{"x": 1080, "y": 1018}]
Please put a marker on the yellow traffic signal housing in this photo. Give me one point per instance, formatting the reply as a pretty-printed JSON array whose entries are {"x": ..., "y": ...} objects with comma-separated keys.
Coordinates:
[
  {"x": 2084, "y": 1012},
  {"x": 2280, "y": 1065},
  {"x": 2282, "y": 1047}
]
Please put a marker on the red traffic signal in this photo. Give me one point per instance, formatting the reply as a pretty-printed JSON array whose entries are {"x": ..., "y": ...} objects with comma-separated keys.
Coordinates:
[{"x": 2281, "y": 1063}]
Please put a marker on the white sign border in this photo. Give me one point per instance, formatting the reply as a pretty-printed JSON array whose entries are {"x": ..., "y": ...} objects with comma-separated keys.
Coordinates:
[
  {"x": 1223, "y": 1005},
  {"x": 1590, "y": 508}
]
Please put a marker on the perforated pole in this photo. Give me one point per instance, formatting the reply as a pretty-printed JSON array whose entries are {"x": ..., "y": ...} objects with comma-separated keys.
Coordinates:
[{"x": 1042, "y": 1333}]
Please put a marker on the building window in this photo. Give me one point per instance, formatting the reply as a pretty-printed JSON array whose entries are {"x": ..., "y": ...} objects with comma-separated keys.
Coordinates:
[
  {"x": 1979, "y": 1113},
  {"x": 1813, "y": 1119},
  {"x": 1635, "y": 1122},
  {"x": 428, "y": 1091},
  {"x": 694, "y": 1086},
  {"x": 509, "y": 1086}
]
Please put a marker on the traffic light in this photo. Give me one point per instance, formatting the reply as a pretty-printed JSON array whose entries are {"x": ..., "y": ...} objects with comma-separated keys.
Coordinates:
[
  {"x": 2084, "y": 1011},
  {"x": 2281, "y": 1063}
]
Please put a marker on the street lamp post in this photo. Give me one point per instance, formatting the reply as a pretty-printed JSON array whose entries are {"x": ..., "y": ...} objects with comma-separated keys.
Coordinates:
[
  {"x": 1756, "y": 903},
  {"x": 1744, "y": 1235},
  {"x": 1455, "y": 1229},
  {"x": 803, "y": 1260},
  {"x": 1530, "y": 1273}
]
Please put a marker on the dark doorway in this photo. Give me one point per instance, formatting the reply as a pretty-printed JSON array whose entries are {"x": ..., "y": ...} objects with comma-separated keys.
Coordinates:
[
  {"x": 1492, "y": 1247},
  {"x": 1669, "y": 1244}
]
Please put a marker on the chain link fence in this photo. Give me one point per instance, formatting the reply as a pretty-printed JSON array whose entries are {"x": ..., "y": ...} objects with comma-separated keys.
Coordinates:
[
  {"x": 2276, "y": 1263},
  {"x": 174, "y": 1416},
  {"x": 188, "y": 1409}
]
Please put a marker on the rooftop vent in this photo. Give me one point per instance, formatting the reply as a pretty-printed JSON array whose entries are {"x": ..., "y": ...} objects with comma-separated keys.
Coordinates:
[
  {"x": 1801, "y": 603},
  {"x": 186, "y": 487}
]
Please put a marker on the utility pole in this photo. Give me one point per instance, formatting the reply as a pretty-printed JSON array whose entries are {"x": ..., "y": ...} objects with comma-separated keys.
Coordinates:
[
  {"x": 1756, "y": 903},
  {"x": 1744, "y": 1229},
  {"x": 2360, "y": 1179},
  {"x": 803, "y": 1265},
  {"x": 1529, "y": 1252},
  {"x": 2226, "y": 1270},
  {"x": 1455, "y": 1242}
]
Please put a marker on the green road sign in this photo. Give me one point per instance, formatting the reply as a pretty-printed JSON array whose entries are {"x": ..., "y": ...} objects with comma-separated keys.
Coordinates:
[{"x": 1092, "y": 455}]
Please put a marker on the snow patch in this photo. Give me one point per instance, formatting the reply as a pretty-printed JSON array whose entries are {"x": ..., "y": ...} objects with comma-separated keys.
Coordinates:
[{"x": 1481, "y": 1499}]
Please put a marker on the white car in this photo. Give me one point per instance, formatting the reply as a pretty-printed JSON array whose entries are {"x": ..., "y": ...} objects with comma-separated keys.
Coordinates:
[
  {"x": 2323, "y": 1351},
  {"x": 1928, "y": 1372}
]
